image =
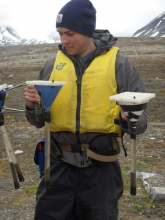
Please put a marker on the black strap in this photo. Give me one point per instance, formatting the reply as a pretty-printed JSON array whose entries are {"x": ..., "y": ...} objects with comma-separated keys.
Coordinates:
[
  {"x": 116, "y": 121},
  {"x": 125, "y": 149},
  {"x": 2, "y": 98},
  {"x": 1, "y": 120}
]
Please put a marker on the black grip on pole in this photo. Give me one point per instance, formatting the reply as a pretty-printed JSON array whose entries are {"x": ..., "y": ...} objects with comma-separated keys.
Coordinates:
[
  {"x": 20, "y": 177},
  {"x": 133, "y": 184},
  {"x": 15, "y": 178},
  {"x": 132, "y": 129},
  {"x": 19, "y": 173},
  {"x": 36, "y": 111},
  {"x": 133, "y": 191},
  {"x": 1, "y": 119},
  {"x": 47, "y": 117},
  {"x": 47, "y": 178},
  {"x": 47, "y": 184}
]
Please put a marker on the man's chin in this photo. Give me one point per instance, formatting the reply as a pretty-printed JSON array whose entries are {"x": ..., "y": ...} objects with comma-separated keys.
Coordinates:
[{"x": 72, "y": 53}]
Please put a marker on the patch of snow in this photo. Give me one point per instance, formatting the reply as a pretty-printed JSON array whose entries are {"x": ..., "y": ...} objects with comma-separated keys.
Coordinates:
[
  {"x": 155, "y": 34},
  {"x": 18, "y": 152},
  {"x": 158, "y": 23},
  {"x": 2, "y": 29},
  {"x": 139, "y": 34},
  {"x": 148, "y": 31}
]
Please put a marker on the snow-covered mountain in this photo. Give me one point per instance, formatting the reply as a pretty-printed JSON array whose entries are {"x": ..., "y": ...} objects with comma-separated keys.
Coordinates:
[
  {"x": 9, "y": 37},
  {"x": 156, "y": 28}
]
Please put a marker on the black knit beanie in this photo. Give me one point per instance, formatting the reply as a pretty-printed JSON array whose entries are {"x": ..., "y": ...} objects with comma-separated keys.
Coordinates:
[{"x": 78, "y": 16}]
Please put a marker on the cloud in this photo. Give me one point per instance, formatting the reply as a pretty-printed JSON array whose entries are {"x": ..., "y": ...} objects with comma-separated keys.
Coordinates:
[
  {"x": 29, "y": 18},
  {"x": 123, "y": 18},
  {"x": 34, "y": 18}
]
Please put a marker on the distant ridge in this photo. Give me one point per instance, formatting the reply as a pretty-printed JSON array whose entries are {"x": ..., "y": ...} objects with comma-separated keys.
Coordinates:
[
  {"x": 9, "y": 37},
  {"x": 155, "y": 28}
]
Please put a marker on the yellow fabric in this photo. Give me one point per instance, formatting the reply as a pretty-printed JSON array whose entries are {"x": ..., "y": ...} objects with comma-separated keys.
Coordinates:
[
  {"x": 63, "y": 109},
  {"x": 97, "y": 112}
]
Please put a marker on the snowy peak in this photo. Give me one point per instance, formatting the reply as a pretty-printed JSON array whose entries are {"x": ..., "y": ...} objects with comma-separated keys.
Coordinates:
[
  {"x": 12, "y": 32},
  {"x": 156, "y": 28},
  {"x": 9, "y": 37}
]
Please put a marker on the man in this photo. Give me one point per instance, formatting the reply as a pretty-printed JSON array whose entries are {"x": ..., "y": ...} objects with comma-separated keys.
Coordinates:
[{"x": 83, "y": 188}]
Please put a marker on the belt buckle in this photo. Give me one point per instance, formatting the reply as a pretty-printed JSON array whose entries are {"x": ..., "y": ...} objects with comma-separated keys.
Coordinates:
[{"x": 76, "y": 148}]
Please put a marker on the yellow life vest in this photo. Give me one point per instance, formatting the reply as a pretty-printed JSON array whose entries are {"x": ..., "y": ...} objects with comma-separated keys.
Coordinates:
[{"x": 97, "y": 112}]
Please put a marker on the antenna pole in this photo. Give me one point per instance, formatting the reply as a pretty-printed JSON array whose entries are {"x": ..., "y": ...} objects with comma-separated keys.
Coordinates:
[
  {"x": 133, "y": 113},
  {"x": 11, "y": 152},
  {"x": 132, "y": 122},
  {"x": 133, "y": 167},
  {"x": 133, "y": 104},
  {"x": 16, "y": 172},
  {"x": 132, "y": 128},
  {"x": 13, "y": 170},
  {"x": 47, "y": 149}
]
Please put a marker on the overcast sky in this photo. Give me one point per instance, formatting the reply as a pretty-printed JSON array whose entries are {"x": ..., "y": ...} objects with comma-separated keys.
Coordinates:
[{"x": 36, "y": 18}]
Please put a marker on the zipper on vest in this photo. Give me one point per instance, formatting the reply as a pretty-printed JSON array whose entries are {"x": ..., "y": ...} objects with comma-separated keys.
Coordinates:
[{"x": 78, "y": 81}]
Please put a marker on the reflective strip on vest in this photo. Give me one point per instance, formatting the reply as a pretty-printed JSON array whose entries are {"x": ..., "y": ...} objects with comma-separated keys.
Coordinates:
[{"x": 97, "y": 112}]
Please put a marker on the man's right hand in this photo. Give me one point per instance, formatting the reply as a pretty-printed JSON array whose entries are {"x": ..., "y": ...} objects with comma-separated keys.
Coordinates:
[
  {"x": 31, "y": 96},
  {"x": 123, "y": 115}
]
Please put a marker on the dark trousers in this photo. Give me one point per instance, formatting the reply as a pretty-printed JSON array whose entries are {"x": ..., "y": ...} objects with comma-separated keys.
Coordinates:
[{"x": 90, "y": 193}]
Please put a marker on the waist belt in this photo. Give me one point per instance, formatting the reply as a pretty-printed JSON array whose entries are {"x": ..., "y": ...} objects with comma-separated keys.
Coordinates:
[{"x": 89, "y": 153}]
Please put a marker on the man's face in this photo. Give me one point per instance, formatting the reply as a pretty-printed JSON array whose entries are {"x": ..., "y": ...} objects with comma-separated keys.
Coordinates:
[{"x": 75, "y": 43}]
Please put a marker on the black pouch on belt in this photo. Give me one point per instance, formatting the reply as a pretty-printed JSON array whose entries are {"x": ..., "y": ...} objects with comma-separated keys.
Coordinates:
[
  {"x": 102, "y": 145},
  {"x": 55, "y": 149}
]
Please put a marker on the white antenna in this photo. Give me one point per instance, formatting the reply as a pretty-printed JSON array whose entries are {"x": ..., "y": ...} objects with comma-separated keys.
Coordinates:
[
  {"x": 133, "y": 104},
  {"x": 45, "y": 83},
  {"x": 132, "y": 98}
]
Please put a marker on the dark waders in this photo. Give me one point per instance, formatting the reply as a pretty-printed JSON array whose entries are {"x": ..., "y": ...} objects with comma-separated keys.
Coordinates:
[{"x": 89, "y": 193}]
